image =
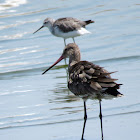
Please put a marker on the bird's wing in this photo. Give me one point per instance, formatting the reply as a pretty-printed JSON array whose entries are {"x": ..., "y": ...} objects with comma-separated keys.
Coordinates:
[
  {"x": 69, "y": 24},
  {"x": 89, "y": 77}
]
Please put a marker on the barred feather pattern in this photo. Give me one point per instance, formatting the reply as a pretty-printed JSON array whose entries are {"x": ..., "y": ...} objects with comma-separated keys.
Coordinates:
[{"x": 87, "y": 79}]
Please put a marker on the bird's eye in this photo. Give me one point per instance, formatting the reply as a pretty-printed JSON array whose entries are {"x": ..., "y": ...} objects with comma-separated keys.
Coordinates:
[
  {"x": 45, "y": 22},
  {"x": 66, "y": 49}
]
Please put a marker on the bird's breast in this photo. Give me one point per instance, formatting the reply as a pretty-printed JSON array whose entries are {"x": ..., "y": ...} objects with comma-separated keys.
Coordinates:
[{"x": 68, "y": 34}]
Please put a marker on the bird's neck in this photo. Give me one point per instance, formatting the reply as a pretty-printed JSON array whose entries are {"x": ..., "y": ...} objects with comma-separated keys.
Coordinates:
[
  {"x": 75, "y": 58},
  {"x": 50, "y": 26}
]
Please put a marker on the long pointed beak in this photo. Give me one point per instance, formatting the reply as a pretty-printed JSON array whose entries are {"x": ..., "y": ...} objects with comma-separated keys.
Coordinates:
[
  {"x": 61, "y": 58},
  {"x": 38, "y": 29}
]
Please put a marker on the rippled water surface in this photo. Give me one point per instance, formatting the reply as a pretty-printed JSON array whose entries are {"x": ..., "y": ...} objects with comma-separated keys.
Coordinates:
[{"x": 36, "y": 107}]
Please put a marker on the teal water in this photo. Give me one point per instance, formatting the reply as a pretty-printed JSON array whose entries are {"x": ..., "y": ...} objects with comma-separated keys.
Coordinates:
[{"x": 35, "y": 107}]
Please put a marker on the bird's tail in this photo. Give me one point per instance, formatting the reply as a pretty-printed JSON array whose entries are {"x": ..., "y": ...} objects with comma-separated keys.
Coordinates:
[
  {"x": 88, "y": 22},
  {"x": 113, "y": 91}
]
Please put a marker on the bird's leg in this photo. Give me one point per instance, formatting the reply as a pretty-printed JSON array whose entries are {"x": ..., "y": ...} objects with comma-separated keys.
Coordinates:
[
  {"x": 100, "y": 116},
  {"x": 64, "y": 41},
  {"x": 67, "y": 76},
  {"x": 85, "y": 119},
  {"x": 65, "y": 45},
  {"x": 65, "y": 61},
  {"x": 73, "y": 40}
]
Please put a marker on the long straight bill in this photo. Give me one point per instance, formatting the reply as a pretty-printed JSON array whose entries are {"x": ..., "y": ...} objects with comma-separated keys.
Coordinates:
[
  {"x": 53, "y": 64},
  {"x": 38, "y": 29}
]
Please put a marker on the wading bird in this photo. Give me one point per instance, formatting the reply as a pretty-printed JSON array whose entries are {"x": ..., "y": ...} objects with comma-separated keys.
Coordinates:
[
  {"x": 66, "y": 27},
  {"x": 88, "y": 80}
]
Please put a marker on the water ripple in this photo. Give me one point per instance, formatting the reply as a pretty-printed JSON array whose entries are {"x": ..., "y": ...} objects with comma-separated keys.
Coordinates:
[
  {"x": 59, "y": 122},
  {"x": 124, "y": 58},
  {"x": 29, "y": 99},
  {"x": 10, "y": 4}
]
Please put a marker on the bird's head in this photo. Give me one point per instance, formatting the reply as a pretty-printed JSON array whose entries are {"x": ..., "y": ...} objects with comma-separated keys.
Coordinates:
[
  {"x": 47, "y": 23},
  {"x": 71, "y": 51}
]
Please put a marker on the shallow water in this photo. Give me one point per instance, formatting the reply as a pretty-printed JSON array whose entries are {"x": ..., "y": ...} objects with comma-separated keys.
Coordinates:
[{"x": 37, "y": 107}]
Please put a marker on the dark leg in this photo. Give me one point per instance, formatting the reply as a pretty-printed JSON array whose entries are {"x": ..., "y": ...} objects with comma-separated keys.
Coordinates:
[
  {"x": 85, "y": 119},
  {"x": 65, "y": 42},
  {"x": 73, "y": 40},
  {"x": 66, "y": 69},
  {"x": 67, "y": 75},
  {"x": 100, "y": 116},
  {"x": 65, "y": 61},
  {"x": 65, "y": 45}
]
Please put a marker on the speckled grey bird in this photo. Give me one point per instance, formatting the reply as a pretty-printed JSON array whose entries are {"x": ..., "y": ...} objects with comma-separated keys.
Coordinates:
[
  {"x": 66, "y": 27},
  {"x": 88, "y": 80}
]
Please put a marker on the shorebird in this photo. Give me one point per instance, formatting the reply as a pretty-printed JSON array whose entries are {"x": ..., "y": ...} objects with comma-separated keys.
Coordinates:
[
  {"x": 66, "y": 27},
  {"x": 88, "y": 80}
]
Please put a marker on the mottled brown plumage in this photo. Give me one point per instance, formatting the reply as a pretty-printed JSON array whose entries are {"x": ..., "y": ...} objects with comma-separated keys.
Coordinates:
[{"x": 88, "y": 80}]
